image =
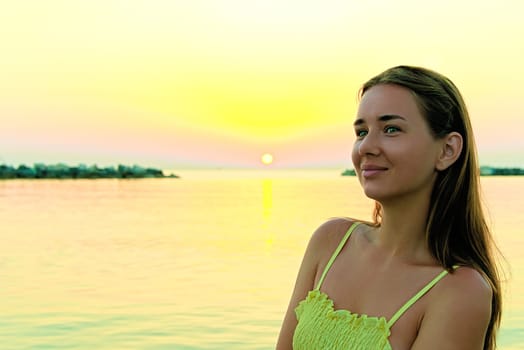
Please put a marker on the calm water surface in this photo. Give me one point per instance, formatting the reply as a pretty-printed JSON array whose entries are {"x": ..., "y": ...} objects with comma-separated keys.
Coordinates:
[{"x": 203, "y": 262}]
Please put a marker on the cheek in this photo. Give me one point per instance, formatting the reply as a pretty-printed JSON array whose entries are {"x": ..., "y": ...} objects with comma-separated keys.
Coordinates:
[{"x": 423, "y": 157}]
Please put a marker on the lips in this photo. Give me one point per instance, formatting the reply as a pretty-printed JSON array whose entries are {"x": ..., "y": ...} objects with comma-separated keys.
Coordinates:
[{"x": 369, "y": 170}]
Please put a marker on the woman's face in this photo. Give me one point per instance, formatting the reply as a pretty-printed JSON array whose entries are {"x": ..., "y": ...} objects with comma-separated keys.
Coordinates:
[{"x": 394, "y": 154}]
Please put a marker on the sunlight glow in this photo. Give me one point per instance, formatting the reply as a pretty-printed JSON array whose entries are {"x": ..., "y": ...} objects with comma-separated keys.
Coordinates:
[
  {"x": 267, "y": 158},
  {"x": 217, "y": 83}
]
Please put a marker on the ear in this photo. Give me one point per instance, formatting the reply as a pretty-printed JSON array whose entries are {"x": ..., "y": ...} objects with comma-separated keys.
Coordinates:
[{"x": 450, "y": 151}]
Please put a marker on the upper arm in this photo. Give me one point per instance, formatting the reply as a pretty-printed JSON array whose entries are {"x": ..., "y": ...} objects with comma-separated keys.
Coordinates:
[
  {"x": 319, "y": 247},
  {"x": 459, "y": 316}
]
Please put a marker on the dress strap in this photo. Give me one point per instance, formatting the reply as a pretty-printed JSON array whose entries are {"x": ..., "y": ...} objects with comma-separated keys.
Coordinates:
[
  {"x": 416, "y": 297},
  {"x": 335, "y": 254}
]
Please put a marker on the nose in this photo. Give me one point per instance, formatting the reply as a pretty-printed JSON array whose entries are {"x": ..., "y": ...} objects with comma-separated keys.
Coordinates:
[{"x": 369, "y": 145}]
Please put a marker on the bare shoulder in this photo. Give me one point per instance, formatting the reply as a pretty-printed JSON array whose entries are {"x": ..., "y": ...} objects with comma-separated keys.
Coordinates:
[
  {"x": 328, "y": 235},
  {"x": 467, "y": 280},
  {"x": 465, "y": 288},
  {"x": 458, "y": 312}
]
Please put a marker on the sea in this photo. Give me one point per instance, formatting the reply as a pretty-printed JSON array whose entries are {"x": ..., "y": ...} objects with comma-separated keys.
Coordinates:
[{"x": 206, "y": 261}]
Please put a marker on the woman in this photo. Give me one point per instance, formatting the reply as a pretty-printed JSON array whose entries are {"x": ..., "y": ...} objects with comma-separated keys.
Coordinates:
[{"x": 422, "y": 275}]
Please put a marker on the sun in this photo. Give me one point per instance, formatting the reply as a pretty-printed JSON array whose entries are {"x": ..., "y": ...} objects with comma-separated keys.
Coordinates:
[{"x": 267, "y": 158}]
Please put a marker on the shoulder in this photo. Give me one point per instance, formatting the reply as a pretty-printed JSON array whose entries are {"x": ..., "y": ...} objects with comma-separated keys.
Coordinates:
[
  {"x": 458, "y": 312},
  {"x": 468, "y": 288},
  {"x": 328, "y": 235},
  {"x": 325, "y": 240}
]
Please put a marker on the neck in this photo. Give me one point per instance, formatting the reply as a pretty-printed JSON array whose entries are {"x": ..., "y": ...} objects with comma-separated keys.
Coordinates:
[{"x": 402, "y": 233}]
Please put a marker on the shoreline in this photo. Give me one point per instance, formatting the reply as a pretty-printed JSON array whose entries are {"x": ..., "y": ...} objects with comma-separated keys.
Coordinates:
[{"x": 82, "y": 171}]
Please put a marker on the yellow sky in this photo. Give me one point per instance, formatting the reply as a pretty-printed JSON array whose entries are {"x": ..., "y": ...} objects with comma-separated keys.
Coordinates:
[{"x": 217, "y": 83}]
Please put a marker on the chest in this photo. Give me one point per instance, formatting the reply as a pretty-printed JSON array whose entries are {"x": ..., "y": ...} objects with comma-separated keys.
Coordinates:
[{"x": 365, "y": 289}]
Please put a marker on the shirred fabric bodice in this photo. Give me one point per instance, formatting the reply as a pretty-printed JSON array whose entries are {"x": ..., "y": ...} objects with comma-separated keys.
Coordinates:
[{"x": 320, "y": 326}]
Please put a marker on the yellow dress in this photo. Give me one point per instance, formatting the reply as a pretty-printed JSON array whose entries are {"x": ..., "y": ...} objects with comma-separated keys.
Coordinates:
[{"x": 320, "y": 326}]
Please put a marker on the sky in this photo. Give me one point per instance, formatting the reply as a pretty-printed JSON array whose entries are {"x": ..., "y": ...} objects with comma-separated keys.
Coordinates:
[{"x": 217, "y": 83}]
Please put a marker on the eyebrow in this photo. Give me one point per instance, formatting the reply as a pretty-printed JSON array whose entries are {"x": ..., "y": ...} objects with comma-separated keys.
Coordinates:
[{"x": 382, "y": 118}]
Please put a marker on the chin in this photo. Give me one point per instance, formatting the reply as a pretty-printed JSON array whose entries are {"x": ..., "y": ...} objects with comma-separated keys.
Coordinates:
[
  {"x": 375, "y": 194},
  {"x": 371, "y": 194}
]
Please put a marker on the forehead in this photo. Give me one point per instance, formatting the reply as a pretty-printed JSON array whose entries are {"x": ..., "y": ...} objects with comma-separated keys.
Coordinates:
[{"x": 388, "y": 99}]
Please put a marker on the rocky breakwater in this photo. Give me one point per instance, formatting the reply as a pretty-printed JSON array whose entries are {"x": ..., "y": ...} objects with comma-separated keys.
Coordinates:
[{"x": 82, "y": 171}]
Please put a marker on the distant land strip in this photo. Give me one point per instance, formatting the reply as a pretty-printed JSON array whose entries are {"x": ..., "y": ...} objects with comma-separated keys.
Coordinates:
[
  {"x": 82, "y": 171},
  {"x": 484, "y": 171}
]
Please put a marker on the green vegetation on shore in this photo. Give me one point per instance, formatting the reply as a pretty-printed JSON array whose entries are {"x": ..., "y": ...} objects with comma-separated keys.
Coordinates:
[
  {"x": 82, "y": 171},
  {"x": 491, "y": 171},
  {"x": 348, "y": 172},
  {"x": 484, "y": 171}
]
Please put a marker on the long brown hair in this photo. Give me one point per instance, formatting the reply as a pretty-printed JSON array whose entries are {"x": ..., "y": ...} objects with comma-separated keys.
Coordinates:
[{"x": 456, "y": 229}]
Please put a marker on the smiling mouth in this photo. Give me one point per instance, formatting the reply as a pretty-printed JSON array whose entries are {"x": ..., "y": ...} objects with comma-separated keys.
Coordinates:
[{"x": 372, "y": 171}]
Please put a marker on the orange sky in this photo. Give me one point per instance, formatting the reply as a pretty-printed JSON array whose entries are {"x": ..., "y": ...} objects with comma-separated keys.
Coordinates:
[{"x": 218, "y": 83}]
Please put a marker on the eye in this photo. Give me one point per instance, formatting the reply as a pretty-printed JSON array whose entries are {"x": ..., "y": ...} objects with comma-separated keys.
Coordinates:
[
  {"x": 361, "y": 133},
  {"x": 391, "y": 129}
]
